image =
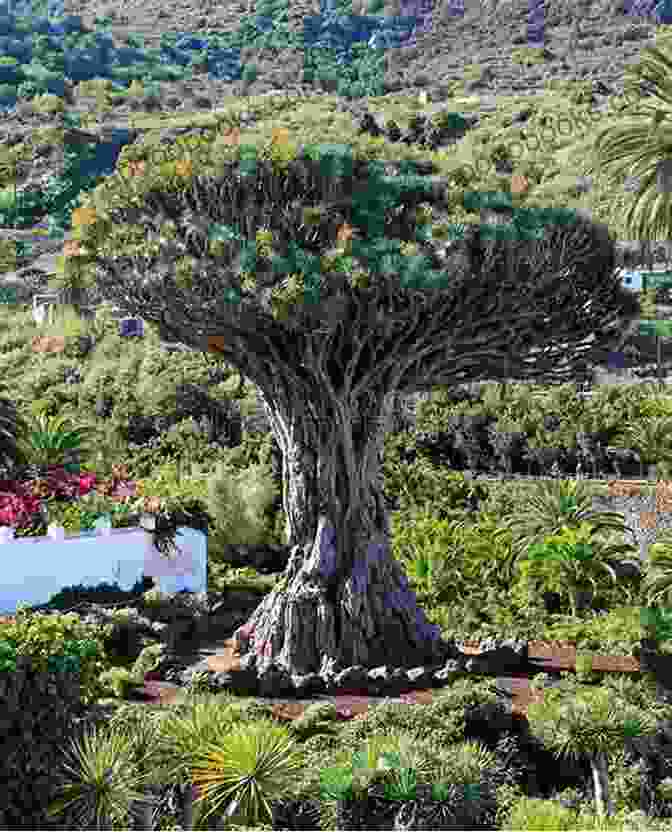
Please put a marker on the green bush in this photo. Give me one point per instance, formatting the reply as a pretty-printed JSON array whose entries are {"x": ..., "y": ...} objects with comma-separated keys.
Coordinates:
[
  {"x": 536, "y": 814},
  {"x": 617, "y": 632},
  {"x": 149, "y": 659},
  {"x": 44, "y": 635},
  {"x": 75, "y": 518},
  {"x": 318, "y": 718},
  {"x": 250, "y": 73},
  {"x": 467, "y": 554},
  {"x": 422, "y": 484},
  {"x": 118, "y": 681},
  {"x": 239, "y": 502},
  {"x": 48, "y": 103},
  {"x": 102, "y": 593},
  {"x": 441, "y": 723}
]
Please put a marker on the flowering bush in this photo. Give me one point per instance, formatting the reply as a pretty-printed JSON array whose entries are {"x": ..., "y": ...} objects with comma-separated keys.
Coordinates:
[
  {"x": 20, "y": 501},
  {"x": 16, "y": 510}
]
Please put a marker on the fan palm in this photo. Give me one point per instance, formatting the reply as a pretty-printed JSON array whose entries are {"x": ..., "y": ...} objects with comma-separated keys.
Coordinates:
[
  {"x": 559, "y": 503},
  {"x": 113, "y": 768},
  {"x": 651, "y": 438},
  {"x": 658, "y": 579},
  {"x": 11, "y": 450},
  {"x": 592, "y": 723},
  {"x": 641, "y": 146},
  {"x": 102, "y": 780}
]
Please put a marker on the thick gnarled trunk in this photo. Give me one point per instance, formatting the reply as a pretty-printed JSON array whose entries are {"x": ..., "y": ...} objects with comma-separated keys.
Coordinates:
[{"x": 343, "y": 600}]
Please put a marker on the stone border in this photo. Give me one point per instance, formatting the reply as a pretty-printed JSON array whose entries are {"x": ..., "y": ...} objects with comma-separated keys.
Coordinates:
[{"x": 242, "y": 678}]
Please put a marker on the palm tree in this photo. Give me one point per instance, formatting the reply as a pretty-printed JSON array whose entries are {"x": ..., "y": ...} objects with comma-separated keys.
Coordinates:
[
  {"x": 651, "y": 439},
  {"x": 240, "y": 767},
  {"x": 103, "y": 783},
  {"x": 658, "y": 579},
  {"x": 11, "y": 451},
  {"x": 246, "y": 769},
  {"x": 588, "y": 722},
  {"x": 559, "y": 503},
  {"x": 202, "y": 720},
  {"x": 465, "y": 780},
  {"x": 641, "y": 145}
]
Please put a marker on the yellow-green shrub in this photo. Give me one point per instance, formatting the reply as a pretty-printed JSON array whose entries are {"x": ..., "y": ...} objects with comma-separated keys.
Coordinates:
[
  {"x": 149, "y": 659},
  {"x": 48, "y": 103},
  {"x": 118, "y": 681},
  {"x": 238, "y": 502},
  {"x": 93, "y": 85},
  {"x": 531, "y": 813},
  {"x": 467, "y": 554},
  {"x": 42, "y": 636}
]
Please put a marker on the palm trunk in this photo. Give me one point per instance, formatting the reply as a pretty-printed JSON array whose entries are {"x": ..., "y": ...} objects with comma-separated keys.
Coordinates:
[
  {"x": 346, "y": 600},
  {"x": 141, "y": 812},
  {"x": 187, "y": 805},
  {"x": 74, "y": 296},
  {"x": 603, "y": 803}
]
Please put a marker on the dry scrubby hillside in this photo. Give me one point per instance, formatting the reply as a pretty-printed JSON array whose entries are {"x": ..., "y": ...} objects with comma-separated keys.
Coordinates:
[{"x": 584, "y": 41}]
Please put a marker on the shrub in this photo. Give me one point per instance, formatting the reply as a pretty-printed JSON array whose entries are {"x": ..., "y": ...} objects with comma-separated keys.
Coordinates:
[
  {"x": 118, "y": 681},
  {"x": 238, "y": 502},
  {"x": 28, "y": 89},
  {"x": 250, "y": 74},
  {"x": 535, "y": 813},
  {"x": 7, "y": 90},
  {"x": 149, "y": 659},
  {"x": 422, "y": 484},
  {"x": 318, "y": 718},
  {"x": 41, "y": 636},
  {"x": 48, "y": 103},
  {"x": 70, "y": 596},
  {"x": 465, "y": 554},
  {"x": 441, "y": 723}
]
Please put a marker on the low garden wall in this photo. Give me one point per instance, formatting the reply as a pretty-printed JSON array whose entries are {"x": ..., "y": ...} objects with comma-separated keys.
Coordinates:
[{"x": 35, "y": 568}]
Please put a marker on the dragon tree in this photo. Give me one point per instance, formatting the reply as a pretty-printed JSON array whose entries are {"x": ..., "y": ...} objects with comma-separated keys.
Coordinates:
[{"x": 327, "y": 279}]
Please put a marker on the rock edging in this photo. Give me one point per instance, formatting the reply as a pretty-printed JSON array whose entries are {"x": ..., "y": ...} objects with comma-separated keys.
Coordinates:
[{"x": 243, "y": 677}]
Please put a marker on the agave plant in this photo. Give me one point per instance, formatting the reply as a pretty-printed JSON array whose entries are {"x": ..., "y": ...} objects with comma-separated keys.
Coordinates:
[
  {"x": 393, "y": 762},
  {"x": 557, "y": 504}
]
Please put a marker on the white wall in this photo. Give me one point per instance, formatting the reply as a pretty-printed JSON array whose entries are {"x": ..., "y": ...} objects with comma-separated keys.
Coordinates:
[{"x": 34, "y": 569}]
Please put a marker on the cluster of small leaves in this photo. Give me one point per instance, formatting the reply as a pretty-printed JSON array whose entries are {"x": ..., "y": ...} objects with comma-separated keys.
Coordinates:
[{"x": 46, "y": 636}]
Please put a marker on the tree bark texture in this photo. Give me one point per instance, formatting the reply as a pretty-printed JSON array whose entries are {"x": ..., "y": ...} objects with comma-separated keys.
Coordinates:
[{"x": 344, "y": 600}]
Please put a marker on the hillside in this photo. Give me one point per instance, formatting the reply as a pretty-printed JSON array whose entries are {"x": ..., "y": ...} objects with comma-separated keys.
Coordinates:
[{"x": 530, "y": 113}]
